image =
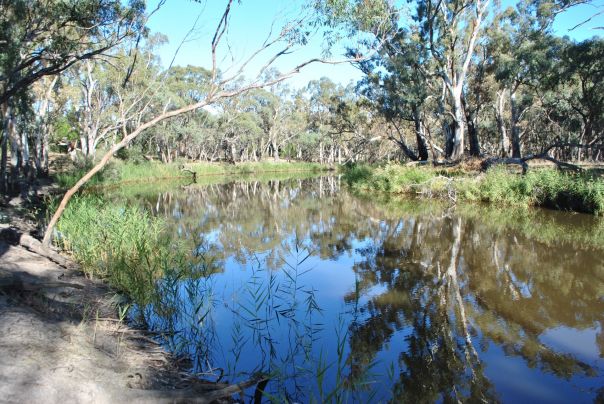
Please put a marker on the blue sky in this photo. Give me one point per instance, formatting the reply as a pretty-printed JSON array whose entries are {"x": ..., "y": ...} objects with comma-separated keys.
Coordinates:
[{"x": 251, "y": 22}]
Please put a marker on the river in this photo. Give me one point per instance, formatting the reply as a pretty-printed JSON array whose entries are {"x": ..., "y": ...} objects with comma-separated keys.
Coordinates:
[{"x": 351, "y": 298}]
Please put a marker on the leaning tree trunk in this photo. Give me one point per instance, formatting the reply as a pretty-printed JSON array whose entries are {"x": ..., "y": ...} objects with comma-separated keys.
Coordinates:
[{"x": 105, "y": 159}]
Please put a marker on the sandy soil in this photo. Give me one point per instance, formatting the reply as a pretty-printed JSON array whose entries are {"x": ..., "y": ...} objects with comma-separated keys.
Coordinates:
[
  {"x": 61, "y": 339},
  {"x": 65, "y": 344}
]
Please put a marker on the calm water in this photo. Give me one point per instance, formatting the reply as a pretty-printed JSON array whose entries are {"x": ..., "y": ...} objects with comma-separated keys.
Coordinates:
[{"x": 347, "y": 298}]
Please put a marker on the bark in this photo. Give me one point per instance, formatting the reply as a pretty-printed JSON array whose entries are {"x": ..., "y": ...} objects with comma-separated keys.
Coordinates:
[
  {"x": 401, "y": 143},
  {"x": 500, "y": 118},
  {"x": 275, "y": 150},
  {"x": 449, "y": 132},
  {"x": 321, "y": 152},
  {"x": 457, "y": 140},
  {"x": 472, "y": 129},
  {"x": 16, "y": 156},
  {"x": 516, "y": 151},
  {"x": 420, "y": 136},
  {"x": 43, "y": 129},
  {"x": 4, "y": 147},
  {"x": 454, "y": 78}
]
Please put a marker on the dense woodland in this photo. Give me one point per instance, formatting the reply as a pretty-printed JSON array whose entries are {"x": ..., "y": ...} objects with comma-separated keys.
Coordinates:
[{"x": 443, "y": 79}]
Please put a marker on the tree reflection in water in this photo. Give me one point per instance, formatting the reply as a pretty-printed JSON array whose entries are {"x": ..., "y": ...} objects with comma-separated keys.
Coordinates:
[{"x": 408, "y": 301}]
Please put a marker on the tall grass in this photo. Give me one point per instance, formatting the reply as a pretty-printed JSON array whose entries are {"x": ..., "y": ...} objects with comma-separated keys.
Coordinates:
[
  {"x": 539, "y": 187},
  {"x": 121, "y": 244}
]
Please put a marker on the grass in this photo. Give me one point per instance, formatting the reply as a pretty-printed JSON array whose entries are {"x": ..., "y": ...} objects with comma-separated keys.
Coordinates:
[
  {"x": 120, "y": 171},
  {"x": 123, "y": 245},
  {"x": 539, "y": 187}
]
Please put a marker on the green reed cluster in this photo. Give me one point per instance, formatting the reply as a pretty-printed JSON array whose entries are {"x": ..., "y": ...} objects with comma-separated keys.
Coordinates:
[{"x": 121, "y": 244}]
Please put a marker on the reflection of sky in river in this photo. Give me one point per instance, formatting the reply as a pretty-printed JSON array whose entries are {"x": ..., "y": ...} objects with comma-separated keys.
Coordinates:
[{"x": 530, "y": 346}]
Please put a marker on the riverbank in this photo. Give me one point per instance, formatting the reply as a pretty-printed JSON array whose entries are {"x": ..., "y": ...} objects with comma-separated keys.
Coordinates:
[
  {"x": 119, "y": 171},
  {"x": 544, "y": 187},
  {"x": 64, "y": 334}
]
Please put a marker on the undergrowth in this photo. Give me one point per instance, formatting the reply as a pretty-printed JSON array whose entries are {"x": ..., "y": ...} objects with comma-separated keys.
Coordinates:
[{"x": 539, "y": 187}]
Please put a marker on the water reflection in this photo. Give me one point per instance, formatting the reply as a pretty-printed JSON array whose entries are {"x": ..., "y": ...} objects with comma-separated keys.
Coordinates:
[{"x": 345, "y": 298}]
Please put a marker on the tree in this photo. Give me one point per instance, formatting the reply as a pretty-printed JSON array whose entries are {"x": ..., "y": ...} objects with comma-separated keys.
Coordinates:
[
  {"x": 40, "y": 39},
  {"x": 398, "y": 84},
  {"x": 450, "y": 30},
  {"x": 293, "y": 35},
  {"x": 45, "y": 37}
]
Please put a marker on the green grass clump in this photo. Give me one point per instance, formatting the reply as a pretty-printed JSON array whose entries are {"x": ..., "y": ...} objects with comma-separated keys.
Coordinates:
[
  {"x": 539, "y": 187},
  {"x": 121, "y": 244},
  {"x": 546, "y": 187},
  {"x": 391, "y": 178},
  {"x": 505, "y": 188}
]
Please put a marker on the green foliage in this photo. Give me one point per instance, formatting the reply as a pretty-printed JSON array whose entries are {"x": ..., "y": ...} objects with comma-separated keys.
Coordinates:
[
  {"x": 357, "y": 173},
  {"x": 64, "y": 130},
  {"x": 44, "y": 37},
  {"x": 121, "y": 244},
  {"x": 539, "y": 187}
]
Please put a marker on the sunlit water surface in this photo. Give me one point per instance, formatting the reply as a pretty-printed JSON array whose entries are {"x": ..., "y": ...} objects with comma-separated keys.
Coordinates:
[{"x": 338, "y": 297}]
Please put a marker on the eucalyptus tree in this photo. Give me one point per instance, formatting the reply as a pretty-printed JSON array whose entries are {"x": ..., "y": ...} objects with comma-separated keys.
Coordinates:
[
  {"x": 398, "y": 85},
  {"x": 40, "y": 39},
  {"x": 180, "y": 85},
  {"x": 105, "y": 96},
  {"x": 294, "y": 34},
  {"x": 580, "y": 83},
  {"x": 521, "y": 55},
  {"x": 279, "y": 120},
  {"x": 324, "y": 96},
  {"x": 46, "y": 109},
  {"x": 451, "y": 29}
]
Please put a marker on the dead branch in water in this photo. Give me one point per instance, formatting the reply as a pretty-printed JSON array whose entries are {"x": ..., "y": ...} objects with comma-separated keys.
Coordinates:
[{"x": 199, "y": 393}]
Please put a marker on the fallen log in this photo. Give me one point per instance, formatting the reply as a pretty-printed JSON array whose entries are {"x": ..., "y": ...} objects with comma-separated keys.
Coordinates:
[
  {"x": 14, "y": 237},
  {"x": 523, "y": 162}
]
